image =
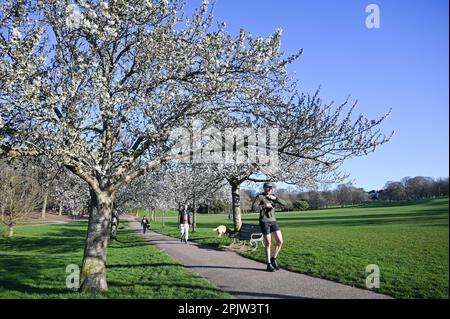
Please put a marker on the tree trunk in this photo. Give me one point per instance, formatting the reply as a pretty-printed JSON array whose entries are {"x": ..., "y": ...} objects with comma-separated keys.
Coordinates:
[
  {"x": 60, "y": 210},
  {"x": 163, "y": 218},
  {"x": 92, "y": 201},
  {"x": 194, "y": 214},
  {"x": 93, "y": 274},
  {"x": 236, "y": 205},
  {"x": 44, "y": 206},
  {"x": 10, "y": 231}
]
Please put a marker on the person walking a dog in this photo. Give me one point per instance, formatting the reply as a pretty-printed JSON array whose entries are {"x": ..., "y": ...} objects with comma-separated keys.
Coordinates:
[
  {"x": 184, "y": 222},
  {"x": 264, "y": 204}
]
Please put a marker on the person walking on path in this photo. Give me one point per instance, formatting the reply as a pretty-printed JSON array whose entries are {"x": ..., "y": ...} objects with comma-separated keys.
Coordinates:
[
  {"x": 184, "y": 222},
  {"x": 145, "y": 224},
  {"x": 114, "y": 225},
  {"x": 264, "y": 204}
]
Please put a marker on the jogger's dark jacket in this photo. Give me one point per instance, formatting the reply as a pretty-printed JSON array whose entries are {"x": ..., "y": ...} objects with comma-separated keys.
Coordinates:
[{"x": 266, "y": 214}]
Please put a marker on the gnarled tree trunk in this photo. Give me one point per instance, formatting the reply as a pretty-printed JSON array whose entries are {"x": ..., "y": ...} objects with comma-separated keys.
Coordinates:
[
  {"x": 93, "y": 273},
  {"x": 236, "y": 205}
]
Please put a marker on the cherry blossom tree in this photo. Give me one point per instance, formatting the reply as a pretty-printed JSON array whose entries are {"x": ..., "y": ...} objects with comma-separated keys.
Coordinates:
[
  {"x": 309, "y": 142},
  {"x": 192, "y": 185},
  {"x": 99, "y": 85},
  {"x": 70, "y": 194}
]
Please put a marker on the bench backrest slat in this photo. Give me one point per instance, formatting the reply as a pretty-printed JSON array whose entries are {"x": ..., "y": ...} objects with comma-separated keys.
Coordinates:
[{"x": 247, "y": 230}]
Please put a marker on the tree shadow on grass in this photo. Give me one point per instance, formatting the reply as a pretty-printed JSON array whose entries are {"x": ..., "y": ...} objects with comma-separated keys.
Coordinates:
[
  {"x": 66, "y": 239},
  {"x": 25, "y": 274},
  {"x": 36, "y": 264},
  {"x": 12, "y": 285}
]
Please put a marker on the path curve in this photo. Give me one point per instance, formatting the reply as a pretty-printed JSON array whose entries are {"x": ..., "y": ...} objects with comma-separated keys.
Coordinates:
[{"x": 245, "y": 278}]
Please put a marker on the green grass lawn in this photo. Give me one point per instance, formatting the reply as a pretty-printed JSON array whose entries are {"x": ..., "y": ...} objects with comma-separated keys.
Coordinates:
[
  {"x": 33, "y": 263},
  {"x": 408, "y": 241}
]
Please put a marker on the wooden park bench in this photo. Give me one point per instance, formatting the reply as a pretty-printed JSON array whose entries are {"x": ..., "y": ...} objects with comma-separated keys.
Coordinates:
[{"x": 250, "y": 233}]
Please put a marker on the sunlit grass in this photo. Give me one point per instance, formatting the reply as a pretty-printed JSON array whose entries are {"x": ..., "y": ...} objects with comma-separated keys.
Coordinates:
[{"x": 33, "y": 264}]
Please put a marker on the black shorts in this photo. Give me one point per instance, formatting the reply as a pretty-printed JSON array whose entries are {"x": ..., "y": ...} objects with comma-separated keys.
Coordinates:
[{"x": 269, "y": 227}]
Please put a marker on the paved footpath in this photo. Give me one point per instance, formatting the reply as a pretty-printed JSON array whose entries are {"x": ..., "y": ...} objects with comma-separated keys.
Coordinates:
[{"x": 245, "y": 278}]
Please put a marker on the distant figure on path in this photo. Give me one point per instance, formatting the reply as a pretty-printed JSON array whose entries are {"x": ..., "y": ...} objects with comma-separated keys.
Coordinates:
[
  {"x": 145, "y": 224},
  {"x": 114, "y": 225},
  {"x": 184, "y": 222},
  {"x": 264, "y": 204}
]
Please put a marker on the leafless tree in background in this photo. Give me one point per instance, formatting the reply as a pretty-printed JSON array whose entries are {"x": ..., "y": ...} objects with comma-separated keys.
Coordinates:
[{"x": 19, "y": 197}]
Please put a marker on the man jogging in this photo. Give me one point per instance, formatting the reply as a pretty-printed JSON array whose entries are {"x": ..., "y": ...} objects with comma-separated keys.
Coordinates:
[
  {"x": 264, "y": 204},
  {"x": 184, "y": 221},
  {"x": 145, "y": 224}
]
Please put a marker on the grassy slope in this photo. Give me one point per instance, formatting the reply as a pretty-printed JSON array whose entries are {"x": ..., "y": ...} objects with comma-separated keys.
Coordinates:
[
  {"x": 32, "y": 265},
  {"x": 408, "y": 241}
]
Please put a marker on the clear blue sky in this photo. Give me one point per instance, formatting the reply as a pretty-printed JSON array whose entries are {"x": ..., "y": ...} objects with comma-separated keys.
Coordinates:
[{"x": 403, "y": 65}]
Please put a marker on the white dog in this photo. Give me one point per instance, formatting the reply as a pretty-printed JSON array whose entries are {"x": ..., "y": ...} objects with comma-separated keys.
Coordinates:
[{"x": 221, "y": 230}]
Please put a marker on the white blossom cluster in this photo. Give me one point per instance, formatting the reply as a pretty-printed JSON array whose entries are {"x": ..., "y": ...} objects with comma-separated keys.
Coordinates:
[{"x": 117, "y": 73}]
